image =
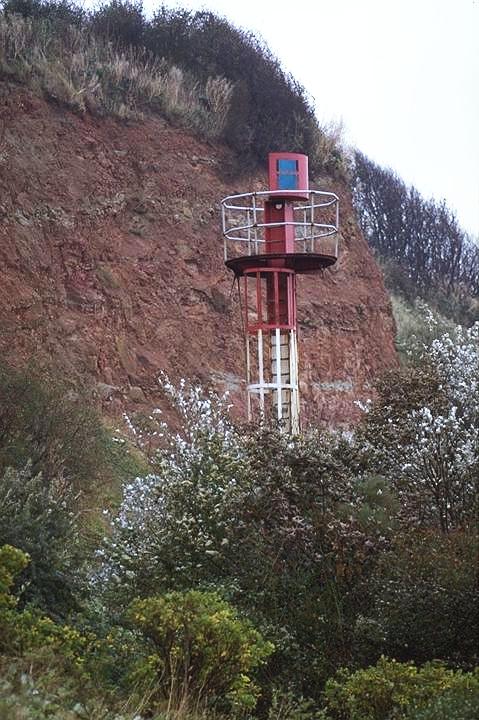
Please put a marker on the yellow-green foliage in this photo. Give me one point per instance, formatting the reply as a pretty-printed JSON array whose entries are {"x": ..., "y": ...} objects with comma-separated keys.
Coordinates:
[
  {"x": 12, "y": 562},
  {"x": 390, "y": 689},
  {"x": 28, "y": 630},
  {"x": 202, "y": 650}
]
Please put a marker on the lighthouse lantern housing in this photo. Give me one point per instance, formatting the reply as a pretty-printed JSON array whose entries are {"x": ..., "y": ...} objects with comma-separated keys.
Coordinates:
[{"x": 289, "y": 171}]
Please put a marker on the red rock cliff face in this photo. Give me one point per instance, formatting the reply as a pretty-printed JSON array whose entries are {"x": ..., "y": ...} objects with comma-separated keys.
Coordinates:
[{"x": 112, "y": 266}]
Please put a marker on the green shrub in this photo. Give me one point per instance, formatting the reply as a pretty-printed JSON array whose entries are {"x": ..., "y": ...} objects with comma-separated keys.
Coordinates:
[
  {"x": 47, "y": 425},
  {"x": 34, "y": 690},
  {"x": 37, "y": 517},
  {"x": 57, "y": 12},
  {"x": 202, "y": 651},
  {"x": 120, "y": 20},
  {"x": 425, "y": 601},
  {"x": 12, "y": 562},
  {"x": 55, "y": 457},
  {"x": 25, "y": 696},
  {"x": 390, "y": 689},
  {"x": 459, "y": 703},
  {"x": 78, "y": 657},
  {"x": 269, "y": 110},
  {"x": 286, "y": 705},
  {"x": 28, "y": 629}
]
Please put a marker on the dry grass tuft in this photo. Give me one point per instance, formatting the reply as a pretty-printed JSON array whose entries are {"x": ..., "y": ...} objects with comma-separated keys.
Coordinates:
[{"x": 74, "y": 68}]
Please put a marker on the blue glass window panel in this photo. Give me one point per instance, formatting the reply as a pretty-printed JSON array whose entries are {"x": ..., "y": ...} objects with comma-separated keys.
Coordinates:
[{"x": 287, "y": 174}]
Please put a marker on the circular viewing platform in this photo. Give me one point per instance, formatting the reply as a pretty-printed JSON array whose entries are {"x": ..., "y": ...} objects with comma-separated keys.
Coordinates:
[
  {"x": 299, "y": 262},
  {"x": 312, "y": 227}
]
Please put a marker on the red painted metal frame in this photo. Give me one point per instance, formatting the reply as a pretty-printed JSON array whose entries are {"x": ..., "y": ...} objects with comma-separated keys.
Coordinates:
[{"x": 276, "y": 297}]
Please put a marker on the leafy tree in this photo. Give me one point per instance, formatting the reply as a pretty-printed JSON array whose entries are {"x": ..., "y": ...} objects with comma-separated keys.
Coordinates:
[
  {"x": 58, "y": 12},
  {"x": 424, "y": 249},
  {"x": 120, "y": 20}
]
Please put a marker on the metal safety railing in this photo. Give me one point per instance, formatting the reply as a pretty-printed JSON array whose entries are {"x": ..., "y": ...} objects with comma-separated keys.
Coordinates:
[{"x": 314, "y": 220}]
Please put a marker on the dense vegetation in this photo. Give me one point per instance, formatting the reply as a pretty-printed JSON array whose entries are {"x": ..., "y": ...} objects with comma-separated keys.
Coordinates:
[
  {"x": 194, "y": 67},
  {"x": 420, "y": 244},
  {"x": 244, "y": 572}
]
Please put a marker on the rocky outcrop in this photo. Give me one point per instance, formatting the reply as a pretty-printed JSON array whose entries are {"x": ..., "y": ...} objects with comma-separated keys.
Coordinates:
[{"x": 112, "y": 266}]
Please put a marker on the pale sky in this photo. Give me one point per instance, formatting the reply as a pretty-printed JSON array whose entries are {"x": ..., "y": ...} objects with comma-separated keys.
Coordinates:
[{"x": 401, "y": 75}]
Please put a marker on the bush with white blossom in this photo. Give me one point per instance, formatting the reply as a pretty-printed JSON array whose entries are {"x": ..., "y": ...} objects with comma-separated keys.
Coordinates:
[
  {"x": 175, "y": 520},
  {"x": 424, "y": 431}
]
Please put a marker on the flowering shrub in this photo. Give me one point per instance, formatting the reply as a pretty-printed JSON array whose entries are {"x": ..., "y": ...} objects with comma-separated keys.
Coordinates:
[
  {"x": 424, "y": 431},
  {"x": 174, "y": 522},
  {"x": 293, "y": 530},
  {"x": 422, "y": 436}
]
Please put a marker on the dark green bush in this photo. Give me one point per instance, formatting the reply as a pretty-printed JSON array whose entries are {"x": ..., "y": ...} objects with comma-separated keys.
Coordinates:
[
  {"x": 426, "y": 599},
  {"x": 120, "y": 20},
  {"x": 270, "y": 110},
  {"x": 54, "y": 430},
  {"x": 55, "y": 456},
  {"x": 58, "y": 12},
  {"x": 38, "y": 518}
]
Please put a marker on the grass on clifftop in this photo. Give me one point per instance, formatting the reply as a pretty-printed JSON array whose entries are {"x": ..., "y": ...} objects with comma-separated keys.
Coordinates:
[
  {"x": 74, "y": 68},
  {"x": 195, "y": 69}
]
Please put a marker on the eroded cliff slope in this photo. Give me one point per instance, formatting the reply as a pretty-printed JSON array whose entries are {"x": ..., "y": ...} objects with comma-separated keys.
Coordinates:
[{"x": 112, "y": 266}]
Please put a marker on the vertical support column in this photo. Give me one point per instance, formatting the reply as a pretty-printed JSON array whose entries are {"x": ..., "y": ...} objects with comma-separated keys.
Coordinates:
[{"x": 271, "y": 350}]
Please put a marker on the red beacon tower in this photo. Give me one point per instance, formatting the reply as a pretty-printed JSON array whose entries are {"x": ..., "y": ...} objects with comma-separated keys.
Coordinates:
[{"x": 270, "y": 237}]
